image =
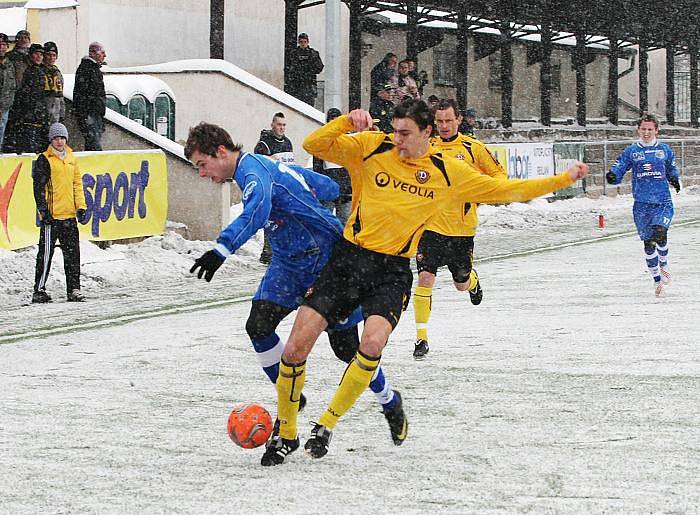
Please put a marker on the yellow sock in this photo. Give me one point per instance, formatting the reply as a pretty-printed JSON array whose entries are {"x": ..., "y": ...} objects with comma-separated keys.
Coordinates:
[
  {"x": 356, "y": 379},
  {"x": 289, "y": 385},
  {"x": 473, "y": 279},
  {"x": 422, "y": 304}
]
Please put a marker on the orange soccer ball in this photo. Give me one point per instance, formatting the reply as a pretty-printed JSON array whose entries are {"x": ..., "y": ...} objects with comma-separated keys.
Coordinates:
[{"x": 249, "y": 425}]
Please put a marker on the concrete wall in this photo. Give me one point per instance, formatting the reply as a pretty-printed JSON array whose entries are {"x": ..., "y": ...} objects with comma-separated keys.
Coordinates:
[
  {"x": 241, "y": 110},
  {"x": 629, "y": 84},
  {"x": 60, "y": 25},
  {"x": 137, "y": 32}
]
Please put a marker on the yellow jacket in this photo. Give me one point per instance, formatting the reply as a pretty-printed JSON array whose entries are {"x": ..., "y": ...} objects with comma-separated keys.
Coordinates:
[
  {"x": 460, "y": 218},
  {"x": 58, "y": 186},
  {"x": 394, "y": 198}
]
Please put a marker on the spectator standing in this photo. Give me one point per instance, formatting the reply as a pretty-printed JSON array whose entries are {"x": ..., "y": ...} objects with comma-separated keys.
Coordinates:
[
  {"x": 384, "y": 72},
  {"x": 8, "y": 84},
  {"x": 407, "y": 87},
  {"x": 273, "y": 143},
  {"x": 29, "y": 109},
  {"x": 469, "y": 122},
  {"x": 304, "y": 65},
  {"x": 53, "y": 86},
  {"x": 342, "y": 205},
  {"x": 89, "y": 96},
  {"x": 382, "y": 108},
  {"x": 59, "y": 196},
  {"x": 19, "y": 57}
]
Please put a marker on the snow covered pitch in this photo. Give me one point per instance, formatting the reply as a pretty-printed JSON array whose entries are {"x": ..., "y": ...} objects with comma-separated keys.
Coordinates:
[{"x": 570, "y": 389}]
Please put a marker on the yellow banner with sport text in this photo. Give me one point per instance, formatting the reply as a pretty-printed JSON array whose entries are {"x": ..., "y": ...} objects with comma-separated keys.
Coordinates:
[{"x": 126, "y": 195}]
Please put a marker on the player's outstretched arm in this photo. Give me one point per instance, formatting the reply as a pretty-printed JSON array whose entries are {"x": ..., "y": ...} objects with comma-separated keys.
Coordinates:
[
  {"x": 332, "y": 143},
  {"x": 578, "y": 170}
]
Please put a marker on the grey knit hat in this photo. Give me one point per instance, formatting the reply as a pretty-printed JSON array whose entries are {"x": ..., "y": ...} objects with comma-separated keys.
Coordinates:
[{"x": 56, "y": 130}]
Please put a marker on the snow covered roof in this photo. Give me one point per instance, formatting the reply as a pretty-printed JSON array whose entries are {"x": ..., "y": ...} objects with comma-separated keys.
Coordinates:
[
  {"x": 12, "y": 20},
  {"x": 525, "y": 32},
  {"x": 232, "y": 71},
  {"x": 128, "y": 124},
  {"x": 50, "y": 4},
  {"x": 126, "y": 86}
]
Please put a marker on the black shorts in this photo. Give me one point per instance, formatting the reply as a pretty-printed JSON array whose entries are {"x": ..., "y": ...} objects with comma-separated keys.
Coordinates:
[
  {"x": 436, "y": 250},
  {"x": 355, "y": 276}
]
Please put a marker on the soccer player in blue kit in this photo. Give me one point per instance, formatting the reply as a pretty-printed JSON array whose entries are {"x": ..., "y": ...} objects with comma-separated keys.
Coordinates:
[
  {"x": 284, "y": 200},
  {"x": 653, "y": 166}
]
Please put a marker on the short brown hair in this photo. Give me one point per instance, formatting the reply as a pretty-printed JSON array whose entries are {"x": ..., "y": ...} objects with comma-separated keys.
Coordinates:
[
  {"x": 206, "y": 138},
  {"x": 416, "y": 110},
  {"x": 446, "y": 103},
  {"x": 648, "y": 117}
]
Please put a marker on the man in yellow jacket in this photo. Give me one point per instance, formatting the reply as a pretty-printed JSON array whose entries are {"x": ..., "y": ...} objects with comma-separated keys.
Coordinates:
[
  {"x": 399, "y": 183},
  {"x": 59, "y": 196},
  {"x": 449, "y": 236}
]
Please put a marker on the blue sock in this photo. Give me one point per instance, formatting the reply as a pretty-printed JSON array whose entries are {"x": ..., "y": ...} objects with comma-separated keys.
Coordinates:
[
  {"x": 663, "y": 254},
  {"x": 653, "y": 265},
  {"x": 382, "y": 389},
  {"x": 269, "y": 351}
]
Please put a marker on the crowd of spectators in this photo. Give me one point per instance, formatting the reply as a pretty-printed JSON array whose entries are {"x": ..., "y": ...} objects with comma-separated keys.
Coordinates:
[{"x": 31, "y": 94}]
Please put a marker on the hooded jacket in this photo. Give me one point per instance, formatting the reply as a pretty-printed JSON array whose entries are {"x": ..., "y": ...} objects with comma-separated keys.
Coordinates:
[{"x": 58, "y": 185}]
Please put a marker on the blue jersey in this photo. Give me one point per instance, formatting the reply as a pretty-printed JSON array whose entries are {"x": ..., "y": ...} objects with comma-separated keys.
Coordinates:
[
  {"x": 651, "y": 167},
  {"x": 284, "y": 200}
]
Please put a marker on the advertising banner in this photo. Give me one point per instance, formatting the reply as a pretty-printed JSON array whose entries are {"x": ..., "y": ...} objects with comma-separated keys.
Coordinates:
[{"x": 126, "y": 194}]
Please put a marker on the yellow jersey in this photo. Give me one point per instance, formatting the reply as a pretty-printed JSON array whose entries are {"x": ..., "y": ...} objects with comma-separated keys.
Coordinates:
[
  {"x": 460, "y": 218},
  {"x": 395, "y": 197}
]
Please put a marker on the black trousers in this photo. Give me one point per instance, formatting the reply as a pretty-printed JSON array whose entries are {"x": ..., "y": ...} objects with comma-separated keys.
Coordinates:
[{"x": 66, "y": 232}]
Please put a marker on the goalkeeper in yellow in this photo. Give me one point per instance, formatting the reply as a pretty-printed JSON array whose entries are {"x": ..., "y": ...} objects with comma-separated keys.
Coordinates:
[
  {"x": 449, "y": 236},
  {"x": 399, "y": 183}
]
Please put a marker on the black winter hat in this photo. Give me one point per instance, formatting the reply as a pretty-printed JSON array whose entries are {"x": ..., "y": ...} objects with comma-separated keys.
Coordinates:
[
  {"x": 50, "y": 46},
  {"x": 35, "y": 47},
  {"x": 4, "y": 38}
]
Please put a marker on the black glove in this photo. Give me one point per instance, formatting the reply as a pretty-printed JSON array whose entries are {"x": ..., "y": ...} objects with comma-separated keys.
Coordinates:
[
  {"x": 673, "y": 181},
  {"x": 610, "y": 177},
  {"x": 80, "y": 215},
  {"x": 208, "y": 263}
]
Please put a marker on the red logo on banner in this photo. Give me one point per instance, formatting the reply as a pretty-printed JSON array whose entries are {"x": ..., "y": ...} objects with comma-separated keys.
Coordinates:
[{"x": 6, "y": 192}]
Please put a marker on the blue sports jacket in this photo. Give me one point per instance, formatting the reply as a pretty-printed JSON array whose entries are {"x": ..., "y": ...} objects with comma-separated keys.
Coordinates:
[
  {"x": 651, "y": 167},
  {"x": 284, "y": 200}
]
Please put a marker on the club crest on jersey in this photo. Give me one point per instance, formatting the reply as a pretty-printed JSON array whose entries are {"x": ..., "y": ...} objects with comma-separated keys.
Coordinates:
[
  {"x": 460, "y": 157},
  {"x": 249, "y": 189},
  {"x": 422, "y": 176},
  {"x": 661, "y": 154},
  {"x": 382, "y": 179}
]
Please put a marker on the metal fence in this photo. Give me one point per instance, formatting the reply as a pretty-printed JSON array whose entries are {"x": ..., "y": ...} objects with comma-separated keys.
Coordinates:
[{"x": 681, "y": 88}]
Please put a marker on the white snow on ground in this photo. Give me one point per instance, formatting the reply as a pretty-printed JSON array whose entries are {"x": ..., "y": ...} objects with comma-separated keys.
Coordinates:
[{"x": 570, "y": 389}]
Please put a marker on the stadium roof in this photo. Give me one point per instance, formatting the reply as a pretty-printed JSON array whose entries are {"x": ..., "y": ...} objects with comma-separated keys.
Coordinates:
[{"x": 656, "y": 24}]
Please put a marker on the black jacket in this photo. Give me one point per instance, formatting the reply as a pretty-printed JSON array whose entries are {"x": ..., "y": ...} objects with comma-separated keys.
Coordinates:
[
  {"x": 29, "y": 106},
  {"x": 89, "y": 90},
  {"x": 270, "y": 145},
  {"x": 305, "y": 64}
]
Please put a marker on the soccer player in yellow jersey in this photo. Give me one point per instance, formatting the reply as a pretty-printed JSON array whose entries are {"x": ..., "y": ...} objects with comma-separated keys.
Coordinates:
[
  {"x": 399, "y": 183},
  {"x": 449, "y": 235}
]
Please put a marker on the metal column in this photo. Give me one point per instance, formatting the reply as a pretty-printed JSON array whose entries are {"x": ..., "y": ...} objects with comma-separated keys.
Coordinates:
[
  {"x": 670, "y": 85},
  {"x": 333, "y": 73},
  {"x": 216, "y": 29}
]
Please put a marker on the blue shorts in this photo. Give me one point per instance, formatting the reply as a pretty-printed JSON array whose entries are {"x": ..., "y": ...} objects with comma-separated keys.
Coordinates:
[
  {"x": 647, "y": 215},
  {"x": 287, "y": 281}
]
